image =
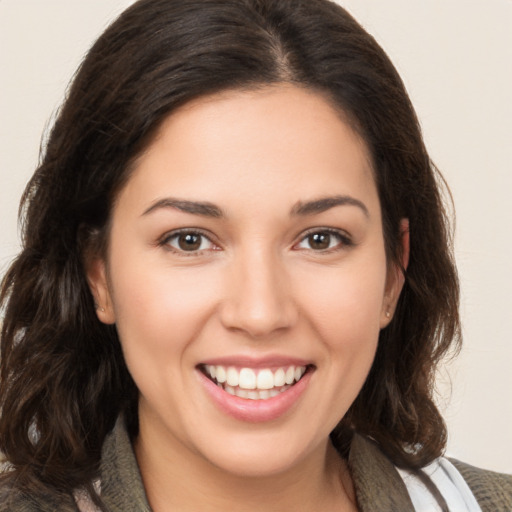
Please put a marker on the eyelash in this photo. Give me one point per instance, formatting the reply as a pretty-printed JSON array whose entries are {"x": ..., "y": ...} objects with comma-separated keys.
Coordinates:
[
  {"x": 167, "y": 238},
  {"x": 344, "y": 241}
]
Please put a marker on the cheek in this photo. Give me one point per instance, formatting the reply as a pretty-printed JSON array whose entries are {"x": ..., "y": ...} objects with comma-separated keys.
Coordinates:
[
  {"x": 343, "y": 308},
  {"x": 160, "y": 313},
  {"x": 345, "y": 304},
  {"x": 158, "y": 307}
]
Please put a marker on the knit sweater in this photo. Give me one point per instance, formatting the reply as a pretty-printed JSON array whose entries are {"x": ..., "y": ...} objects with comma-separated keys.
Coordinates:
[{"x": 378, "y": 485}]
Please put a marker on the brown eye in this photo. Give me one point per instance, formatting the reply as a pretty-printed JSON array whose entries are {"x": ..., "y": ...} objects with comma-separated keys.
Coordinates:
[
  {"x": 319, "y": 241},
  {"x": 189, "y": 241},
  {"x": 324, "y": 240}
]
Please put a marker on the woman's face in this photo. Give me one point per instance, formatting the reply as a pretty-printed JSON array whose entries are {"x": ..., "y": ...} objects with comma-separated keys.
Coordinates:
[{"x": 247, "y": 278}]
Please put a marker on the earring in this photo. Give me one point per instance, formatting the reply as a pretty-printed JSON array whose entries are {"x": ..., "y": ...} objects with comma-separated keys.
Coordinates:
[
  {"x": 388, "y": 314},
  {"x": 99, "y": 308}
]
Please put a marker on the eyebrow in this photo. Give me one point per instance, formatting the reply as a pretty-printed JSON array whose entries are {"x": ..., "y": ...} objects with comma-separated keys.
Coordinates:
[
  {"x": 205, "y": 209},
  {"x": 326, "y": 203}
]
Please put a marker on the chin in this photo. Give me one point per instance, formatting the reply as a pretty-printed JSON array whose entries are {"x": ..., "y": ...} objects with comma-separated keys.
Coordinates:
[{"x": 259, "y": 456}]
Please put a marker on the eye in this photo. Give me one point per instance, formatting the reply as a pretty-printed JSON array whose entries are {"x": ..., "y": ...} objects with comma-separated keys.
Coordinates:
[
  {"x": 324, "y": 240},
  {"x": 188, "y": 241}
]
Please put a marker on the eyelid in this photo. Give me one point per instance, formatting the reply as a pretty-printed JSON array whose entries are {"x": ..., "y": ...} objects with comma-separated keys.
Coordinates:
[
  {"x": 164, "y": 240},
  {"x": 345, "y": 240}
]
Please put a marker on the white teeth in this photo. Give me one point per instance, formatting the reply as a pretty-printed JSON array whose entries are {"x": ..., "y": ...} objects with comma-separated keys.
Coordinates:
[
  {"x": 232, "y": 377},
  {"x": 247, "y": 379},
  {"x": 220, "y": 374},
  {"x": 265, "y": 382},
  {"x": 290, "y": 375},
  {"x": 242, "y": 393},
  {"x": 279, "y": 378},
  {"x": 263, "y": 394}
]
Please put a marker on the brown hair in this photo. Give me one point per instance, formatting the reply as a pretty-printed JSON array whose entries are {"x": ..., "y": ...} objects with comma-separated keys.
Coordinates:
[{"x": 63, "y": 378}]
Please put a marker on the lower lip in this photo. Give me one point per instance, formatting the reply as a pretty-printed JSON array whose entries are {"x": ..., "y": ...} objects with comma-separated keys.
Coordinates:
[{"x": 255, "y": 411}]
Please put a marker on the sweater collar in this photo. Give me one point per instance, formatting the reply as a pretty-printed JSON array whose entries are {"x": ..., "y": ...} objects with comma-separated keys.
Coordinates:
[{"x": 377, "y": 484}]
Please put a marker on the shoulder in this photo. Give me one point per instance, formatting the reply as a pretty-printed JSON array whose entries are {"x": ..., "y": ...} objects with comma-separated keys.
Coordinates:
[{"x": 493, "y": 491}]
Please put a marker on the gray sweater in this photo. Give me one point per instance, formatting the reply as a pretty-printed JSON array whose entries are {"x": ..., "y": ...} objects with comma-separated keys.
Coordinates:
[{"x": 378, "y": 485}]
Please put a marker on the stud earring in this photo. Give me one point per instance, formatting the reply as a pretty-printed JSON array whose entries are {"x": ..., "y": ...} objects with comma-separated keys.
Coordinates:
[
  {"x": 98, "y": 308},
  {"x": 388, "y": 314}
]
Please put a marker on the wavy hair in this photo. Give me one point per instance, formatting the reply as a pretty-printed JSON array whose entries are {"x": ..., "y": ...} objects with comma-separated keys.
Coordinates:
[{"x": 63, "y": 381}]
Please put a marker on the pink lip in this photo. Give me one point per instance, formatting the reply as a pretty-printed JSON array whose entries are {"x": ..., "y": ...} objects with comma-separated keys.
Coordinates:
[
  {"x": 254, "y": 362},
  {"x": 255, "y": 411}
]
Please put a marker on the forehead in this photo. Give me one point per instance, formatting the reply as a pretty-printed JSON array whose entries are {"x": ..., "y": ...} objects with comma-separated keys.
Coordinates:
[{"x": 277, "y": 144}]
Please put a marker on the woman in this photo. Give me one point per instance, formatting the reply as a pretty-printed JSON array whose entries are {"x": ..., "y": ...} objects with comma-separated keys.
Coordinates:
[{"x": 236, "y": 279}]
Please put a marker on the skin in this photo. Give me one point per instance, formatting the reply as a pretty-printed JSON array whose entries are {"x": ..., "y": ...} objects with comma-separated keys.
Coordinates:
[{"x": 258, "y": 286}]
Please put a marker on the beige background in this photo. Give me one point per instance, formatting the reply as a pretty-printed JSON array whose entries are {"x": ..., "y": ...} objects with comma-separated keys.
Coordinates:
[{"x": 455, "y": 57}]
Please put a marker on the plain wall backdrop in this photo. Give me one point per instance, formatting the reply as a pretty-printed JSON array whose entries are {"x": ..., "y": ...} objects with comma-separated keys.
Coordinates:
[{"x": 455, "y": 57}]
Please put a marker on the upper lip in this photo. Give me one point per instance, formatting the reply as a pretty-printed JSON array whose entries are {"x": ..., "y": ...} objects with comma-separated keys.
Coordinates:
[{"x": 243, "y": 361}]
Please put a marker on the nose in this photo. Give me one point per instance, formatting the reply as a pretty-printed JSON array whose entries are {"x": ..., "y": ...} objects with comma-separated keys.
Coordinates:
[{"x": 258, "y": 299}]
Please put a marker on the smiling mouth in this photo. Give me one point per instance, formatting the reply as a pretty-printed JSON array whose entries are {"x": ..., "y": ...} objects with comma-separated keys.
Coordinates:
[{"x": 254, "y": 384}]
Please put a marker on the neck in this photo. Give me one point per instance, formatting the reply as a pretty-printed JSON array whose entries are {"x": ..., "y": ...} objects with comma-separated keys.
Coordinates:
[{"x": 177, "y": 479}]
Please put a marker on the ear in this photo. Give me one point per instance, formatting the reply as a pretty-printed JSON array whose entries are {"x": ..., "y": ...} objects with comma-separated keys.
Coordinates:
[
  {"x": 396, "y": 277},
  {"x": 98, "y": 283}
]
